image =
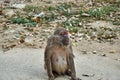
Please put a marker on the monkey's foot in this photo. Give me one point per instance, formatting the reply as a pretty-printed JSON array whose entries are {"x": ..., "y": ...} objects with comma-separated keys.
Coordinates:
[
  {"x": 55, "y": 74},
  {"x": 68, "y": 73},
  {"x": 76, "y": 79},
  {"x": 51, "y": 78}
]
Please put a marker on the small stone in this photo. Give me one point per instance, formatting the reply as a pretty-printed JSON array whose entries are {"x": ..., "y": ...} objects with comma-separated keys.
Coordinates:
[
  {"x": 84, "y": 52},
  {"x": 18, "y": 6},
  {"x": 29, "y": 40},
  {"x": 85, "y": 15},
  {"x": 112, "y": 51},
  {"x": 88, "y": 75},
  {"x": 9, "y": 13},
  {"x": 21, "y": 41},
  {"x": 39, "y": 15},
  {"x": 117, "y": 59},
  {"x": 40, "y": 46},
  {"x": 88, "y": 24},
  {"x": 80, "y": 24},
  {"x": 103, "y": 55},
  {"x": 94, "y": 52}
]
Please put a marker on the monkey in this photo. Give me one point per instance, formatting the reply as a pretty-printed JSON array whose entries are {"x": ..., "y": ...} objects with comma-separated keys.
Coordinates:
[
  {"x": 65, "y": 39},
  {"x": 58, "y": 55},
  {"x": 58, "y": 58}
]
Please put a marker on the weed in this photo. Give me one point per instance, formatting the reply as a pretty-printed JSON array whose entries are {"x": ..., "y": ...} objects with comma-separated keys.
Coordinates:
[
  {"x": 73, "y": 29},
  {"x": 51, "y": 17},
  {"x": 20, "y": 20},
  {"x": 5, "y": 27},
  {"x": 101, "y": 11},
  {"x": 71, "y": 25},
  {"x": 64, "y": 9},
  {"x": 29, "y": 8}
]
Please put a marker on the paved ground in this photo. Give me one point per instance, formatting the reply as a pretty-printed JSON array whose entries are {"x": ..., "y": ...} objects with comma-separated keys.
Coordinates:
[{"x": 27, "y": 64}]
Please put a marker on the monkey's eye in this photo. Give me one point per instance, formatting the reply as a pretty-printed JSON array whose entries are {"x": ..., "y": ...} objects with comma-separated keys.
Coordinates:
[{"x": 64, "y": 33}]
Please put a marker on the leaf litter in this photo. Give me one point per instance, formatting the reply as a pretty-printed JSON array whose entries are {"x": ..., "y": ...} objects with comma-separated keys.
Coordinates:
[{"x": 33, "y": 27}]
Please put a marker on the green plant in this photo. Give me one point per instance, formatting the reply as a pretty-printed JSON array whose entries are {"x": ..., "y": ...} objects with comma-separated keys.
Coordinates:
[
  {"x": 64, "y": 9},
  {"x": 29, "y": 8},
  {"x": 5, "y": 27},
  {"x": 101, "y": 11},
  {"x": 116, "y": 20},
  {"x": 20, "y": 20},
  {"x": 73, "y": 29},
  {"x": 98, "y": 12}
]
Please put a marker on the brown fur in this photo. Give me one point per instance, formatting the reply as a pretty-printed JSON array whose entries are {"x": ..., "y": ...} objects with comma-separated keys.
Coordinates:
[
  {"x": 0, "y": 8},
  {"x": 59, "y": 58}
]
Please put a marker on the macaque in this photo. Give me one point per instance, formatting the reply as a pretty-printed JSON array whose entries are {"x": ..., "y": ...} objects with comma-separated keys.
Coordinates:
[{"x": 58, "y": 56}]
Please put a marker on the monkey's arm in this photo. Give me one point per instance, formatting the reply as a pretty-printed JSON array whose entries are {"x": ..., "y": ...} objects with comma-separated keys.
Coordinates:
[
  {"x": 47, "y": 58},
  {"x": 72, "y": 66}
]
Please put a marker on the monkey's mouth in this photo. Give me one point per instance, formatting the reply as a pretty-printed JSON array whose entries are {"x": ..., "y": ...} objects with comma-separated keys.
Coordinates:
[{"x": 66, "y": 42}]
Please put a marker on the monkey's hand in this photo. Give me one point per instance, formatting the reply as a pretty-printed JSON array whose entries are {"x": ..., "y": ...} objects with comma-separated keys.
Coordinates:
[
  {"x": 76, "y": 79},
  {"x": 51, "y": 77}
]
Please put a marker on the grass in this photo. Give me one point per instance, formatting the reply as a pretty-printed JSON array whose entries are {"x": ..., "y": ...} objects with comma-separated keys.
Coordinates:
[
  {"x": 5, "y": 27},
  {"x": 35, "y": 9},
  {"x": 62, "y": 9},
  {"x": 25, "y": 22},
  {"x": 66, "y": 9},
  {"x": 101, "y": 12}
]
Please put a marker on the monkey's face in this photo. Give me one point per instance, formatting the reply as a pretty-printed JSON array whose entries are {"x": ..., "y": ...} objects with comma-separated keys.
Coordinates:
[{"x": 65, "y": 37}]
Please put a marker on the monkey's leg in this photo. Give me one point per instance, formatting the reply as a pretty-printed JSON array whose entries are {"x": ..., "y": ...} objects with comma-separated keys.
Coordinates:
[
  {"x": 49, "y": 70},
  {"x": 48, "y": 64},
  {"x": 45, "y": 58}
]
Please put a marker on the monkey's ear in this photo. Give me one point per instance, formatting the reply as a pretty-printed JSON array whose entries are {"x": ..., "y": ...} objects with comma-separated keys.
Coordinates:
[{"x": 51, "y": 40}]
